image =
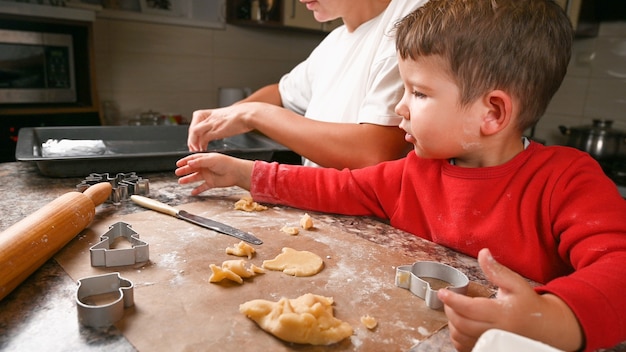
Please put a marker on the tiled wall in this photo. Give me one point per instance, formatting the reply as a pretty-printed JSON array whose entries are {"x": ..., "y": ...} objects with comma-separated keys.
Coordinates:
[
  {"x": 174, "y": 69},
  {"x": 595, "y": 85},
  {"x": 179, "y": 69}
]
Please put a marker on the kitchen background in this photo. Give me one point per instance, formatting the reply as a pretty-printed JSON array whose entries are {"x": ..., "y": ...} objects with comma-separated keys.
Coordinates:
[
  {"x": 179, "y": 69},
  {"x": 175, "y": 69},
  {"x": 175, "y": 66}
]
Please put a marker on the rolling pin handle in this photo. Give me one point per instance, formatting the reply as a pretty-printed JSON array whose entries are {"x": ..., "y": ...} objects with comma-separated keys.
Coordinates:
[{"x": 99, "y": 192}]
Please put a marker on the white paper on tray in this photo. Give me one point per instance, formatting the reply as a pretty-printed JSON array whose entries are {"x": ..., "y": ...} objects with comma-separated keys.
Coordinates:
[{"x": 72, "y": 147}]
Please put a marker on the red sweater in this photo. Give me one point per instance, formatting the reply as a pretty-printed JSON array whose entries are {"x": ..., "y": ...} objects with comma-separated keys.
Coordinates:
[{"x": 550, "y": 214}]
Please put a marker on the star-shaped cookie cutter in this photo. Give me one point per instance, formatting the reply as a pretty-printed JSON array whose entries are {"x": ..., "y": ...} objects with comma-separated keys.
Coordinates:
[
  {"x": 410, "y": 277},
  {"x": 102, "y": 254},
  {"x": 105, "y": 314},
  {"x": 123, "y": 185}
]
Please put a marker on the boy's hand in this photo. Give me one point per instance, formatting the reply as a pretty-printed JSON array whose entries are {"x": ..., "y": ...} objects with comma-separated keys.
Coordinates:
[
  {"x": 213, "y": 170},
  {"x": 517, "y": 308}
]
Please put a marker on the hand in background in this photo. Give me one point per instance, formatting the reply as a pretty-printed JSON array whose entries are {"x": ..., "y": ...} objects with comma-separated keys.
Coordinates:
[
  {"x": 214, "y": 170},
  {"x": 517, "y": 308},
  {"x": 211, "y": 124}
]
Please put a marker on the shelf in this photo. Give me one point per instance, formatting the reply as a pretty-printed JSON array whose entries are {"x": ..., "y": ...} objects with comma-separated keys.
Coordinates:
[
  {"x": 47, "y": 110},
  {"x": 45, "y": 11},
  {"x": 285, "y": 14},
  {"x": 170, "y": 20},
  {"x": 191, "y": 13}
]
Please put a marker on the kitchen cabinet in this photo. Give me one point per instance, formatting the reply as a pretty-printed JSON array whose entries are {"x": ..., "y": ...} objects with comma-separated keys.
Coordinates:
[{"x": 287, "y": 14}]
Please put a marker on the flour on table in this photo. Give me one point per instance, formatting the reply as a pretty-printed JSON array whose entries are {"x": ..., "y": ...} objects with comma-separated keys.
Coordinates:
[{"x": 307, "y": 319}]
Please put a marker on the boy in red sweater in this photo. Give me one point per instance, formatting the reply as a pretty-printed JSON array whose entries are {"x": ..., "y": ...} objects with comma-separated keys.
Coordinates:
[{"x": 476, "y": 74}]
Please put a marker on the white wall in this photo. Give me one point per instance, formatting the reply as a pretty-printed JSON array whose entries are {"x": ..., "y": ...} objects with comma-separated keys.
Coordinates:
[
  {"x": 174, "y": 69},
  {"x": 594, "y": 87}
]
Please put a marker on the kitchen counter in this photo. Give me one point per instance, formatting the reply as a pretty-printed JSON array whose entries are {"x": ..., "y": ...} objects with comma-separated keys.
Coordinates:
[{"x": 41, "y": 313}]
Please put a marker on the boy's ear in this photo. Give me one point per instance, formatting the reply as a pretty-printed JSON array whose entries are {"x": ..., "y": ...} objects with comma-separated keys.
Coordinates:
[{"x": 499, "y": 112}]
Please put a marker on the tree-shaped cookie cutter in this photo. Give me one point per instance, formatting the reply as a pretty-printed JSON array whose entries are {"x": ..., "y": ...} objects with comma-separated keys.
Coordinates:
[
  {"x": 106, "y": 314},
  {"x": 102, "y": 254},
  {"x": 410, "y": 277}
]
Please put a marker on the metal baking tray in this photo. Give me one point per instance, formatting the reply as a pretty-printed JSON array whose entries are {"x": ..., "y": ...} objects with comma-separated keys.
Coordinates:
[{"x": 129, "y": 148}]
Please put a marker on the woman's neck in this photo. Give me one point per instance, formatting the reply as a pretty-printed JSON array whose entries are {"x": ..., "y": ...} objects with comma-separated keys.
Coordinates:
[{"x": 363, "y": 13}]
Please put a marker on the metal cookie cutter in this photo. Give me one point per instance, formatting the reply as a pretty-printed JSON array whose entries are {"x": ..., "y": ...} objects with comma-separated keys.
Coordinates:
[
  {"x": 410, "y": 277},
  {"x": 102, "y": 254},
  {"x": 123, "y": 185},
  {"x": 103, "y": 315}
]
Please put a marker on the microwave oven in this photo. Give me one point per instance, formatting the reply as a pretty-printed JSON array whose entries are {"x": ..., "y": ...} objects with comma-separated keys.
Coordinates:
[{"x": 36, "y": 67}]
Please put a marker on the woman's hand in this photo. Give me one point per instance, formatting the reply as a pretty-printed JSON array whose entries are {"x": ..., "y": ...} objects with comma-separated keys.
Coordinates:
[
  {"x": 212, "y": 124},
  {"x": 517, "y": 308},
  {"x": 214, "y": 170}
]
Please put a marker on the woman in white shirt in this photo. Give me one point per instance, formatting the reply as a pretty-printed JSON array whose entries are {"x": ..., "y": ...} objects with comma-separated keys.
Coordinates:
[{"x": 336, "y": 108}]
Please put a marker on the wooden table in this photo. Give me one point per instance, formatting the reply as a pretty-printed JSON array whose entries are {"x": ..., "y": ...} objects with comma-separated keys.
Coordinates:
[{"x": 41, "y": 311}]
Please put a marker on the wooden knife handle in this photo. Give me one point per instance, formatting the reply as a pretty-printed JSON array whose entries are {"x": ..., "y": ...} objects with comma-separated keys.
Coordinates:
[
  {"x": 154, "y": 205},
  {"x": 29, "y": 243}
]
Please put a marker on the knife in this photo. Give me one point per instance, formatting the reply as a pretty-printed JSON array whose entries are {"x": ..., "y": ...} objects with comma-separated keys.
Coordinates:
[{"x": 194, "y": 219}]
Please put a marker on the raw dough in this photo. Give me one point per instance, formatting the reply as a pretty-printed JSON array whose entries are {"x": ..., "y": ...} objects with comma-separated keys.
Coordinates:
[
  {"x": 247, "y": 204},
  {"x": 290, "y": 230},
  {"x": 238, "y": 267},
  {"x": 369, "y": 322},
  {"x": 296, "y": 263},
  {"x": 234, "y": 270},
  {"x": 241, "y": 249},
  {"x": 307, "y": 319},
  {"x": 306, "y": 222},
  {"x": 218, "y": 274}
]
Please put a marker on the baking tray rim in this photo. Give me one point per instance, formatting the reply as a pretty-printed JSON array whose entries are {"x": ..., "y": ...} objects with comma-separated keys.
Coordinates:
[{"x": 24, "y": 150}]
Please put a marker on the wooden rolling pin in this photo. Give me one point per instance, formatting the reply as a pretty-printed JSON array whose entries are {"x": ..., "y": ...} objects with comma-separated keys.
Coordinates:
[{"x": 28, "y": 244}]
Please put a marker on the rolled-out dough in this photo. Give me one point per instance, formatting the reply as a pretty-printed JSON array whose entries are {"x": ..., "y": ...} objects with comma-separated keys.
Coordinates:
[{"x": 296, "y": 263}]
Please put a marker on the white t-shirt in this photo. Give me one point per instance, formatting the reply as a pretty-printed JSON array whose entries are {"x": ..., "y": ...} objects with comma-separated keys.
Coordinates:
[{"x": 351, "y": 77}]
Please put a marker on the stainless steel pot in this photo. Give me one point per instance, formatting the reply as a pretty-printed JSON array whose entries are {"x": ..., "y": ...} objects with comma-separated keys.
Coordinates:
[{"x": 599, "y": 140}]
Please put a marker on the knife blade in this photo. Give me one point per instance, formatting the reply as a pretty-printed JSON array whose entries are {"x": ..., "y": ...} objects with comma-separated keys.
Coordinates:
[{"x": 195, "y": 219}]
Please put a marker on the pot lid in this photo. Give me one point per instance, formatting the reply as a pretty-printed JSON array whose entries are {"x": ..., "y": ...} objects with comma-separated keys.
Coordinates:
[{"x": 599, "y": 126}]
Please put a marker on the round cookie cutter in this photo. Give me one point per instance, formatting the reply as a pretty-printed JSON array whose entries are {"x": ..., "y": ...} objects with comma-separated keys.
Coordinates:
[{"x": 411, "y": 278}]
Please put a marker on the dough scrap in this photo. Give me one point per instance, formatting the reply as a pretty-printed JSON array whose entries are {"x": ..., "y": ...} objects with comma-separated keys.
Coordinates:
[
  {"x": 248, "y": 204},
  {"x": 234, "y": 270},
  {"x": 306, "y": 222},
  {"x": 241, "y": 249},
  {"x": 218, "y": 274},
  {"x": 238, "y": 267},
  {"x": 369, "y": 322},
  {"x": 307, "y": 319},
  {"x": 296, "y": 263},
  {"x": 290, "y": 230}
]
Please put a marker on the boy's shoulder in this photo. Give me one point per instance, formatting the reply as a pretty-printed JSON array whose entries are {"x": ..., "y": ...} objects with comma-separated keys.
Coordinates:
[{"x": 559, "y": 151}]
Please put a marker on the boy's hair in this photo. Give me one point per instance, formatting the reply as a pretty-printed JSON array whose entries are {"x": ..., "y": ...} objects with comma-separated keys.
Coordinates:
[{"x": 519, "y": 46}]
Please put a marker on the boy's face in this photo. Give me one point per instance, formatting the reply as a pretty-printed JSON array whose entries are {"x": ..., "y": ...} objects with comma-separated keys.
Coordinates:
[{"x": 436, "y": 124}]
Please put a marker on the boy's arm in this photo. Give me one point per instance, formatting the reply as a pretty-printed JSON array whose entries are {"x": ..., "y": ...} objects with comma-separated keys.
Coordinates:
[{"x": 517, "y": 308}]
